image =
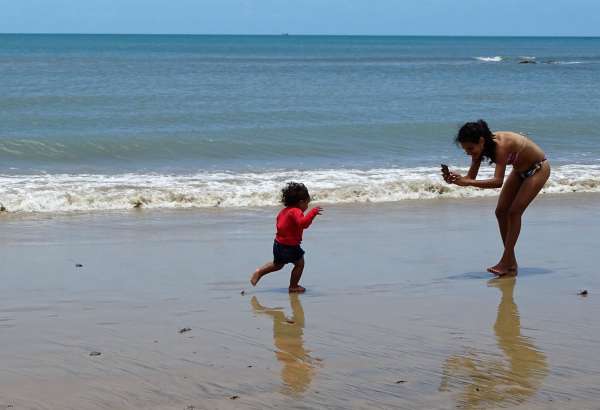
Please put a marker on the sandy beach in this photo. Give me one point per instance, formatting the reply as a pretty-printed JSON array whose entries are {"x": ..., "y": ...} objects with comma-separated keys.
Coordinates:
[{"x": 399, "y": 311}]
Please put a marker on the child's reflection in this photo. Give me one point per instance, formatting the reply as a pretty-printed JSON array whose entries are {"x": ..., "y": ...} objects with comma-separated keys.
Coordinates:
[
  {"x": 489, "y": 381},
  {"x": 297, "y": 371}
]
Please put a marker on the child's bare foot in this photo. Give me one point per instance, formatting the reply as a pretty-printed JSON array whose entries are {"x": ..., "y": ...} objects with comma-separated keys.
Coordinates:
[
  {"x": 255, "y": 277},
  {"x": 297, "y": 289},
  {"x": 503, "y": 270}
]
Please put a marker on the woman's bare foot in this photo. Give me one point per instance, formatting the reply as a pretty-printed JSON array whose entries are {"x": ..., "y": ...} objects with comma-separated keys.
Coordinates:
[
  {"x": 255, "y": 277},
  {"x": 297, "y": 289},
  {"x": 503, "y": 270}
]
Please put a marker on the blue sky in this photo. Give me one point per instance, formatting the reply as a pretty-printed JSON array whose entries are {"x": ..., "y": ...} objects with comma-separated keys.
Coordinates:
[{"x": 403, "y": 17}]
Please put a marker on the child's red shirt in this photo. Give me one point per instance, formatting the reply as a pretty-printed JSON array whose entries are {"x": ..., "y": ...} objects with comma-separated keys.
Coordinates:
[{"x": 291, "y": 221}]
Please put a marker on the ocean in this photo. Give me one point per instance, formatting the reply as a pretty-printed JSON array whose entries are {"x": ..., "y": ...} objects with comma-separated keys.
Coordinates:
[{"x": 107, "y": 122}]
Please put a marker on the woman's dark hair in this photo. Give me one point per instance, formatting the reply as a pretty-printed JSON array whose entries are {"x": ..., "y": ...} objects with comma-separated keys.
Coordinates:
[
  {"x": 472, "y": 131},
  {"x": 293, "y": 193}
]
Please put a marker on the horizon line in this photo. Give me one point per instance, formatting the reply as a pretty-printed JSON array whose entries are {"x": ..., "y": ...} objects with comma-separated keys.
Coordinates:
[{"x": 306, "y": 35}]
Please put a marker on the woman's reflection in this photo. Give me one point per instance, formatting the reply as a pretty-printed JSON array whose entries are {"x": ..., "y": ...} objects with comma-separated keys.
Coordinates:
[
  {"x": 297, "y": 365},
  {"x": 486, "y": 380}
]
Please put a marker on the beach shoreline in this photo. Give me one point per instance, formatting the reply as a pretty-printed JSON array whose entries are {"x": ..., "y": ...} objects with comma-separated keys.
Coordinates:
[
  {"x": 61, "y": 193},
  {"x": 219, "y": 211},
  {"x": 399, "y": 312}
]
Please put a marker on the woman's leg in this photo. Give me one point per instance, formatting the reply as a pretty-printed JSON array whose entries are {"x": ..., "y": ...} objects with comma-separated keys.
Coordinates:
[
  {"x": 529, "y": 189},
  {"x": 507, "y": 196},
  {"x": 296, "y": 275}
]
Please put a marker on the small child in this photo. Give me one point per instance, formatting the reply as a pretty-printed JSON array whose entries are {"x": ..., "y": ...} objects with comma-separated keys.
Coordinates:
[{"x": 291, "y": 221}]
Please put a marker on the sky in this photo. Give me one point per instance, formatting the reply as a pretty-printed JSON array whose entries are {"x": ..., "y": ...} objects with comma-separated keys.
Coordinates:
[{"x": 370, "y": 17}]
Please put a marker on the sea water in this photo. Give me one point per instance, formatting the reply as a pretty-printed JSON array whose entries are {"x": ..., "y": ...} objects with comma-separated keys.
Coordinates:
[{"x": 99, "y": 122}]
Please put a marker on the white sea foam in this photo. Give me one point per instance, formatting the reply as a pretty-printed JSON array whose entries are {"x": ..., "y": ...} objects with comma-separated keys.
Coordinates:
[
  {"x": 66, "y": 193},
  {"x": 567, "y": 62},
  {"x": 495, "y": 59}
]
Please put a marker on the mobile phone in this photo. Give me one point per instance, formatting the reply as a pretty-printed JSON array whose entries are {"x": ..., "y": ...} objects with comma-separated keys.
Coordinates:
[{"x": 445, "y": 169}]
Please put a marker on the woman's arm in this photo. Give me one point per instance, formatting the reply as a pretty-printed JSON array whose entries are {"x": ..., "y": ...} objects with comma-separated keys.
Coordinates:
[
  {"x": 474, "y": 169},
  {"x": 495, "y": 182},
  {"x": 450, "y": 177}
]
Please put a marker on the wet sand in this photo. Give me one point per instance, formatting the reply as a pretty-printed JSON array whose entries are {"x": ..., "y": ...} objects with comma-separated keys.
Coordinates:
[{"x": 399, "y": 311}]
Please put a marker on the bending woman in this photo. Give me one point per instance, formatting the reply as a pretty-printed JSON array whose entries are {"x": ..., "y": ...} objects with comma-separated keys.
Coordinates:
[{"x": 529, "y": 174}]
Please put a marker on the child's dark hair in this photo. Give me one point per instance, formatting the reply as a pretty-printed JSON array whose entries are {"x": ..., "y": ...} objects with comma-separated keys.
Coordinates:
[
  {"x": 472, "y": 131},
  {"x": 293, "y": 193}
]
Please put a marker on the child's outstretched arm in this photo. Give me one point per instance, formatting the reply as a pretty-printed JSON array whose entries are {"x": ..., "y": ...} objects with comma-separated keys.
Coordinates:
[{"x": 305, "y": 220}]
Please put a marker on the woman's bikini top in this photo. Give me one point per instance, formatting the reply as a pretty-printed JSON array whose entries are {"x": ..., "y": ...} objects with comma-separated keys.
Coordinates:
[{"x": 514, "y": 156}]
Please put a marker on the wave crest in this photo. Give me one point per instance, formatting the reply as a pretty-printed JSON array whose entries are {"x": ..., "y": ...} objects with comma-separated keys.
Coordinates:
[
  {"x": 495, "y": 59},
  {"x": 88, "y": 193}
]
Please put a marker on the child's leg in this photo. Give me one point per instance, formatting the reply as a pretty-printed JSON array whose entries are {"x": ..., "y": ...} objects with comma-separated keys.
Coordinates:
[
  {"x": 296, "y": 275},
  {"x": 262, "y": 271}
]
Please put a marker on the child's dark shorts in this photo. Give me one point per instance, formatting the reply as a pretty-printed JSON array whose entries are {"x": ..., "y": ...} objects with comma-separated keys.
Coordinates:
[{"x": 283, "y": 254}]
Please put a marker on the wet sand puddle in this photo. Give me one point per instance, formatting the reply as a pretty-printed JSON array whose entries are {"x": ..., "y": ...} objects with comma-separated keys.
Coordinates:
[
  {"x": 297, "y": 366},
  {"x": 485, "y": 380}
]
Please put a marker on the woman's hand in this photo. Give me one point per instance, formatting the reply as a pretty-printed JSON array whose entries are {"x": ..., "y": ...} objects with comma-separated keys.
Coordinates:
[
  {"x": 450, "y": 177},
  {"x": 447, "y": 177},
  {"x": 456, "y": 179}
]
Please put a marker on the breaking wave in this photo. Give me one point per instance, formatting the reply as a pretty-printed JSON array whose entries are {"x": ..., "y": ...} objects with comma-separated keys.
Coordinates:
[
  {"x": 94, "y": 192},
  {"x": 495, "y": 59}
]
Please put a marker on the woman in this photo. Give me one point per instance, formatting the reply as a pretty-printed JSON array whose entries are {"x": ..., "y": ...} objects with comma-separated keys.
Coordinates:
[{"x": 530, "y": 172}]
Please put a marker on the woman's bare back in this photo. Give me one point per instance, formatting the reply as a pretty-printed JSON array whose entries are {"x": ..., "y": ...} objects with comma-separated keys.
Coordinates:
[{"x": 526, "y": 151}]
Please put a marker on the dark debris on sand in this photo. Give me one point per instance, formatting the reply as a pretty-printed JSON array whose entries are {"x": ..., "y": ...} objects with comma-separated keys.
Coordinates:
[
  {"x": 583, "y": 293},
  {"x": 95, "y": 354},
  {"x": 234, "y": 397},
  {"x": 184, "y": 330}
]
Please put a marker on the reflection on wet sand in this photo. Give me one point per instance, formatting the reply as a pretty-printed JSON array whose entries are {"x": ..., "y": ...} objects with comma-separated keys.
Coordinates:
[
  {"x": 297, "y": 365},
  {"x": 487, "y": 381}
]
